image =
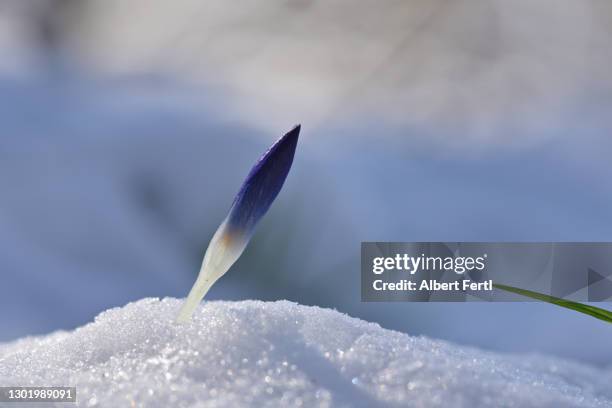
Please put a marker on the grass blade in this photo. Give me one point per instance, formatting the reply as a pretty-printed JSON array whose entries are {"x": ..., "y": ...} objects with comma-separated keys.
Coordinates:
[{"x": 598, "y": 313}]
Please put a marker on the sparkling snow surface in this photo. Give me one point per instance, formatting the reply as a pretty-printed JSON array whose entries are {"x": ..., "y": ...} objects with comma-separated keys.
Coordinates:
[{"x": 255, "y": 353}]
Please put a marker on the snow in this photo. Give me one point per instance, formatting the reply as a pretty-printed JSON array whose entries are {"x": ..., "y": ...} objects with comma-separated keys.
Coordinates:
[{"x": 254, "y": 353}]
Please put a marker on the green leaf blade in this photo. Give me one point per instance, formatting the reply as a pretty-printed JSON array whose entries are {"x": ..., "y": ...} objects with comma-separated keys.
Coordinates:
[{"x": 596, "y": 312}]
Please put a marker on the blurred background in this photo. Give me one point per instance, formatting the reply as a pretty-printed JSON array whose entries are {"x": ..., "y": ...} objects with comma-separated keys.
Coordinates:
[{"x": 126, "y": 128}]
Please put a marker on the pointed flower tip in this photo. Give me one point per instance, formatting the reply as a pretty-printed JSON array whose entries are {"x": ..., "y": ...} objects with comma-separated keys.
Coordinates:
[{"x": 289, "y": 137}]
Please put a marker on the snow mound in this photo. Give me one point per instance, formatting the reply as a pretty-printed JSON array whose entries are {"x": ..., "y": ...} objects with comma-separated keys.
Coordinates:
[{"x": 255, "y": 353}]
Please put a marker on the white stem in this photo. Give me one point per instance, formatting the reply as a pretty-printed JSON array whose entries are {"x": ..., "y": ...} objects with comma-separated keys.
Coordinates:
[
  {"x": 196, "y": 294},
  {"x": 224, "y": 249}
]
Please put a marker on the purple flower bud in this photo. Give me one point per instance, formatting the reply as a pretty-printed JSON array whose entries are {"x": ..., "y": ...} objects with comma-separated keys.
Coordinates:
[{"x": 257, "y": 193}]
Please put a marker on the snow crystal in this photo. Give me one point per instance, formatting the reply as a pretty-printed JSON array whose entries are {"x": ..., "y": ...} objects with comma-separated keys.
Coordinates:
[{"x": 255, "y": 353}]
